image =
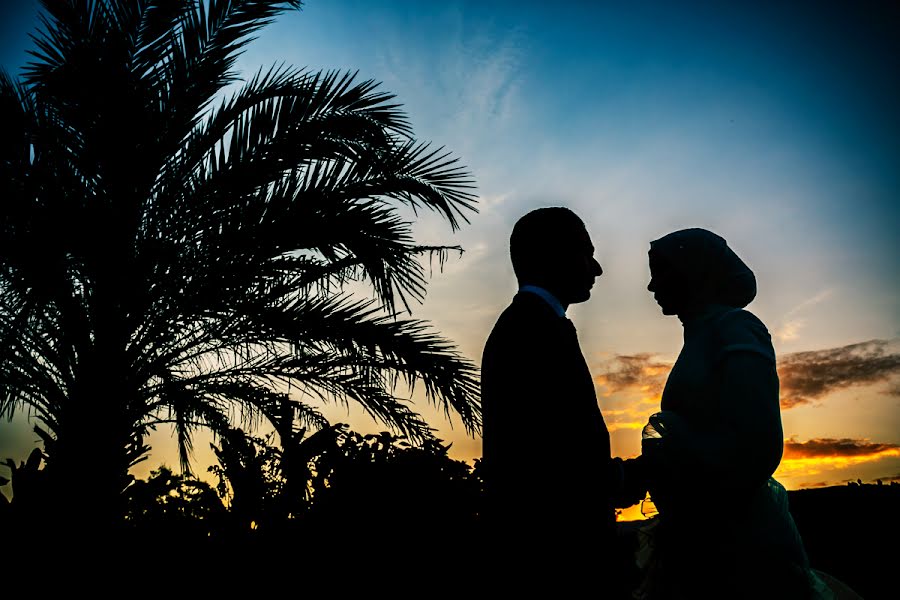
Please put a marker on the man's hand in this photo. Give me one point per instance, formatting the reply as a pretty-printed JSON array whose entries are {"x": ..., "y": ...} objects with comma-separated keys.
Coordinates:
[{"x": 634, "y": 482}]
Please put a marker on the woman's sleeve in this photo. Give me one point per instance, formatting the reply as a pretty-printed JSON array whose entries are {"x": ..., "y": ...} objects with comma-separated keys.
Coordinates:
[
  {"x": 749, "y": 407},
  {"x": 742, "y": 331},
  {"x": 742, "y": 447}
]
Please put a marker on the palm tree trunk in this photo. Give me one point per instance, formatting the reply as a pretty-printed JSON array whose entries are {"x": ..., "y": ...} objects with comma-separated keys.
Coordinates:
[
  {"x": 89, "y": 464},
  {"x": 89, "y": 468}
]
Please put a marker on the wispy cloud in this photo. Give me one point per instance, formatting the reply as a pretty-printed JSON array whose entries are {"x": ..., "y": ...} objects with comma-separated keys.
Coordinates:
[
  {"x": 809, "y": 376},
  {"x": 492, "y": 75},
  {"x": 492, "y": 201},
  {"x": 464, "y": 85},
  {"x": 793, "y": 321}
]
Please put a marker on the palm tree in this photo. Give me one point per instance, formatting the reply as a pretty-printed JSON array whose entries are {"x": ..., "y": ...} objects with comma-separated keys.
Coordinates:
[{"x": 172, "y": 253}]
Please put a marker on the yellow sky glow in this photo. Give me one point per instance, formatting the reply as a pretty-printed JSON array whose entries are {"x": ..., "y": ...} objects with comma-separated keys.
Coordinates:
[{"x": 804, "y": 466}]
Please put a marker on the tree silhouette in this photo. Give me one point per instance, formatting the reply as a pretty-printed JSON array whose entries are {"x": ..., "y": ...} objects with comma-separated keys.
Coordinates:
[
  {"x": 170, "y": 253},
  {"x": 249, "y": 479},
  {"x": 168, "y": 507},
  {"x": 379, "y": 484},
  {"x": 375, "y": 501}
]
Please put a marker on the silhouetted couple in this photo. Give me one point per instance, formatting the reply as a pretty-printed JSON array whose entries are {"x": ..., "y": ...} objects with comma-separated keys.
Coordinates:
[{"x": 551, "y": 483}]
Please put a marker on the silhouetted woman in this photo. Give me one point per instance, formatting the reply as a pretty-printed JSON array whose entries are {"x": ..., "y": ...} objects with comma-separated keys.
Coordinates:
[{"x": 724, "y": 528}]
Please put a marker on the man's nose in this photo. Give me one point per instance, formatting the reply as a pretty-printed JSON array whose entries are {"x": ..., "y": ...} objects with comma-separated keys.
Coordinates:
[
  {"x": 598, "y": 270},
  {"x": 650, "y": 286}
]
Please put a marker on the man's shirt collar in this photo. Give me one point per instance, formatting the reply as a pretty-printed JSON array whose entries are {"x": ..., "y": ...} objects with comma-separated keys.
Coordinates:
[{"x": 547, "y": 296}]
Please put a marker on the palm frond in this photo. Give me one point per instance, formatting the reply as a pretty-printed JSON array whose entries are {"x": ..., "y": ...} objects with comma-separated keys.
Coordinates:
[
  {"x": 356, "y": 336},
  {"x": 187, "y": 410}
]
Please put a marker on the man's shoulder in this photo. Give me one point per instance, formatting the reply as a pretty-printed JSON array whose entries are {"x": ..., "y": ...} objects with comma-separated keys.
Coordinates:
[
  {"x": 526, "y": 318},
  {"x": 509, "y": 321},
  {"x": 525, "y": 309}
]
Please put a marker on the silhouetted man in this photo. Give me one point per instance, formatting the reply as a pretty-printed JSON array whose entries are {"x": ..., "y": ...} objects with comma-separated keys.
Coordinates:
[{"x": 551, "y": 484}]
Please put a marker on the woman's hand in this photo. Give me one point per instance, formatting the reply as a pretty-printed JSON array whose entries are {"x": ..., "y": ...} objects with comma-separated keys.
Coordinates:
[{"x": 664, "y": 446}]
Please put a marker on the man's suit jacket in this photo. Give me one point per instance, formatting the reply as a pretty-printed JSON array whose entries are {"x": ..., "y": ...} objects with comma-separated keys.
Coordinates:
[{"x": 546, "y": 454}]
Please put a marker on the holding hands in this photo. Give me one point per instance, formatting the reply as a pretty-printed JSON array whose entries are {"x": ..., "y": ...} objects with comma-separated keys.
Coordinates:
[{"x": 662, "y": 443}]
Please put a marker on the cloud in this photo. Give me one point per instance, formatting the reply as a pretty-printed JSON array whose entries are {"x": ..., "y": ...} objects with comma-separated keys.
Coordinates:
[
  {"x": 805, "y": 376},
  {"x": 838, "y": 448},
  {"x": 492, "y": 79},
  {"x": 632, "y": 417},
  {"x": 641, "y": 374},
  {"x": 820, "y": 457},
  {"x": 467, "y": 88},
  {"x": 492, "y": 201},
  {"x": 790, "y": 330},
  {"x": 809, "y": 376},
  {"x": 793, "y": 323},
  {"x": 629, "y": 389},
  {"x": 634, "y": 372}
]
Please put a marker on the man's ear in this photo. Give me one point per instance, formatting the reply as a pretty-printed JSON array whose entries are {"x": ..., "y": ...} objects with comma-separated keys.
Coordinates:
[{"x": 547, "y": 261}]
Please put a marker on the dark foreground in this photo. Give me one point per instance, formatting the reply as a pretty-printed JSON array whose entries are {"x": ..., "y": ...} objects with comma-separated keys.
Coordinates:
[{"x": 852, "y": 532}]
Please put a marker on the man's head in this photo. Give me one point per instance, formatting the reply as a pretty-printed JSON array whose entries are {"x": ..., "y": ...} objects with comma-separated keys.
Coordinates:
[{"x": 551, "y": 248}]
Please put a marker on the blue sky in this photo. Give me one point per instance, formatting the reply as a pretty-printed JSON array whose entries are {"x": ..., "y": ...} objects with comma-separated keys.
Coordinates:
[{"x": 772, "y": 123}]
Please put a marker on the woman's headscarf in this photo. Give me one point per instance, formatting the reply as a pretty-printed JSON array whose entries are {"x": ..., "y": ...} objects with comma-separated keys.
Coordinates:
[{"x": 709, "y": 264}]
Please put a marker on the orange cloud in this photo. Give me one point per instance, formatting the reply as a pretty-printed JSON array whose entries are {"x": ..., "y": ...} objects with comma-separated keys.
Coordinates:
[
  {"x": 809, "y": 376},
  {"x": 635, "y": 372},
  {"x": 837, "y": 448},
  {"x": 613, "y": 425},
  {"x": 820, "y": 456},
  {"x": 641, "y": 374}
]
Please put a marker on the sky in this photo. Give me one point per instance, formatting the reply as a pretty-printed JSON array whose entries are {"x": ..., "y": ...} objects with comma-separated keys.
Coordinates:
[{"x": 773, "y": 124}]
